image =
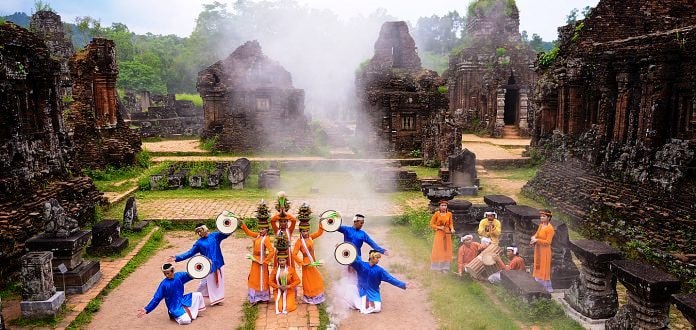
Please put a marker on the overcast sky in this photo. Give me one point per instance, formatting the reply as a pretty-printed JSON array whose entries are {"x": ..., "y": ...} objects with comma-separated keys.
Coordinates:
[{"x": 178, "y": 16}]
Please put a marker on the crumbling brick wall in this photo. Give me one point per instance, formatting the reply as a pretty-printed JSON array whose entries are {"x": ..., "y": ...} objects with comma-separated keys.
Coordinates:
[
  {"x": 101, "y": 136},
  {"x": 48, "y": 26},
  {"x": 34, "y": 147},
  {"x": 617, "y": 126}
]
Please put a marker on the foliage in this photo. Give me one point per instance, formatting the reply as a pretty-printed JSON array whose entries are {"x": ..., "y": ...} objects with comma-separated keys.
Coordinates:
[
  {"x": 539, "y": 45},
  {"x": 195, "y": 98},
  {"x": 500, "y": 51},
  {"x": 417, "y": 153},
  {"x": 40, "y": 5},
  {"x": 138, "y": 76},
  {"x": 442, "y": 89},
  {"x": 538, "y": 310},
  {"x": 67, "y": 99},
  {"x": 324, "y": 320},
  {"x": 209, "y": 143},
  {"x": 251, "y": 313},
  {"x": 12, "y": 289},
  {"x": 486, "y": 7},
  {"x": 438, "y": 35},
  {"x": 546, "y": 59},
  {"x": 143, "y": 159},
  {"x": 434, "y": 61},
  {"x": 362, "y": 66},
  {"x": 423, "y": 172},
  {"x": 578, "y": 29}
]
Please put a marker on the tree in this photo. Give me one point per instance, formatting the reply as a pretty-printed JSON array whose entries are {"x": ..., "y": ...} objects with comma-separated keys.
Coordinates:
[
  {"x": 137, "y": 76},
  {"x": 572, "y": 17}
]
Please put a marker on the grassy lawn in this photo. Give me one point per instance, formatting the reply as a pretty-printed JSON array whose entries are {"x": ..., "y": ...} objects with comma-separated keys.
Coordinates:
[{"x": 423, "y": 172}]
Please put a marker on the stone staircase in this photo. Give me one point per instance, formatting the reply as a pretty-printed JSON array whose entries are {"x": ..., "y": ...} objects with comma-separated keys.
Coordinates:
[{"x": 511, "y": 132}]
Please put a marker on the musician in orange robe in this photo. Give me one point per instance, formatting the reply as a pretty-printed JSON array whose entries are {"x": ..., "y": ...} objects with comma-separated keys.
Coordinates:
[
  {"x": 284, "y": 279},
  {"x": 516, "y": 263},
  {"x": 467, "y": 252},
  {"x": 441, "y": 223},
  {"x": 263, "y": 254},
  {"x": 542, "y": 250}
]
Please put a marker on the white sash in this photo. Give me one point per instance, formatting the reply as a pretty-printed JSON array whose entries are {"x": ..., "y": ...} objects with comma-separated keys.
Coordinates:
[
  {"x": 261, "y": 258},
  {"x": 285, "y": 292},
  {"x": 304, "y": 245}
]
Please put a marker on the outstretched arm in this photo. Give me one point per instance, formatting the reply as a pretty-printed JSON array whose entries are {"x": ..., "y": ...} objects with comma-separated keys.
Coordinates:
[
  {"x": 188, "y": 254},
  {"x": 386, "y": 277},
  {"x": 159, "y": 295},
  {"x": 293, "y": 222},
  {"x": 372, "y": 244},
  {"x": 317, "y": 233},
  {"x": 248, "y": 231}
]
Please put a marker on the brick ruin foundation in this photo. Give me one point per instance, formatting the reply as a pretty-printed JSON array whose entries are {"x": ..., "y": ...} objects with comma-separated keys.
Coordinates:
[
  {"x": 101, "y": 136},
  {"x": 162, "y": 115},
  {"x": 34, "y": 146},
  {"x": 491, "y": 78},
  {"x": 250, "y": 104},
  {"x": 48, "y": 26},
  {"x": 616, "y": 121},
  {"x": 404, "y": 108}
]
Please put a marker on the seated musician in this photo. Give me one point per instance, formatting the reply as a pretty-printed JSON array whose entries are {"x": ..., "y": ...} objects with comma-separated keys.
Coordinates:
[
  {"x": 468, "y": 250},
  {"x": 516, "y": 263}
]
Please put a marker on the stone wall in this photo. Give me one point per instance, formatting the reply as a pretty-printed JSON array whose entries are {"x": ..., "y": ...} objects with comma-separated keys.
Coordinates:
[
  {"x": 250, "y": 104},
  {"x": 34, "y": 147},
  {"x": 101, "y": 136},
  {"x": 491, "y": 78},
  {"x": 617, "y": 125},
  {"x": 48, "y": 26},
  {"x": 403, "y": 107},
  {"x": 162, "y": 115}
]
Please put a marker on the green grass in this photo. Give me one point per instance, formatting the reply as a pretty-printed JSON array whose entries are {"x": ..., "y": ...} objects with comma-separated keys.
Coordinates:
[
  {"x": 43, "y": 322},
  {"x": 520, "y": 173},
  {"x": 251, "y": 313},
  {"x": 148, "y": 250},
  {"x": 11, "y": 291},
  {"x": 423, "y": 172},
  {"x": 195, "y": 98},
  {"x": 324, "y": 320}
]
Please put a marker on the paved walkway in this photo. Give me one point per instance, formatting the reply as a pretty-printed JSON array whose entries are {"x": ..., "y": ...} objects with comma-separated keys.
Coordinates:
[
  {"x": 195, "y": 208},
  {"x": 189, "y": 145},
  {"x": 497, "y": 141}
]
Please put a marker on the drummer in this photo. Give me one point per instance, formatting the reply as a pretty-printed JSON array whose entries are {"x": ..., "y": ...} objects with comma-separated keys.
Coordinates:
[
  {"x": 516, "y": 263},
  {"x": 357, "y": 236},
  {"x": 213, "y": 285},
  {"x": 370, "y": 300}
]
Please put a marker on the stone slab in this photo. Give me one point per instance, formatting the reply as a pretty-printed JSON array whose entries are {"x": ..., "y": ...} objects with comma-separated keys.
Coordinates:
[
  {"x": 594, "y": 253},
  {"x": 686, "y": 303},
  {"x": 468, "y": 191},
  {"x": 61, "y": 247},
  {"x": 644, "y": 280},
  {"x": 586, "y": 322},
  {"x": 498, "y": 200},
  {"x": 80, "y": 279},
  {"x": 521, "y": 283},
  {"x": 522, "y": 212},
  {"x": 139, "y": 226},
  {"x": 116, "y": 246},
  {"x": 42, "y": 308},
  {"x": 105, "y": 232}
]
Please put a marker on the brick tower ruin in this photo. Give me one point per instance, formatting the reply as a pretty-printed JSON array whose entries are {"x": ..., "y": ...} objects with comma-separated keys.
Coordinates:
[
  {"x": 250, "y": 104},
  {"x": 491, "y": 77},
  {"x": 403, "y": 107},
  {"x": 616, "y": 121}
]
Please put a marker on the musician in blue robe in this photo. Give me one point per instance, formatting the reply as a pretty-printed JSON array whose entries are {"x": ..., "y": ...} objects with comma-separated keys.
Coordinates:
[{"x": 371, "y": 276}]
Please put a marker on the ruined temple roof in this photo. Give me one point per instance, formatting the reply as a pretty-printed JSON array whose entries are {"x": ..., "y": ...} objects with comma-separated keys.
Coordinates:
[{"x": 246, "y": 68}]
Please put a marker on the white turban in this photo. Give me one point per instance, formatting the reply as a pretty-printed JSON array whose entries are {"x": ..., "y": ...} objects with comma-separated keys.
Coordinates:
[
  {"x": 467, "y": 237},
  {"x": 486, "y": 240},
  {"x": 513, "y": 249},
  {"x": 485, "y": 214}
]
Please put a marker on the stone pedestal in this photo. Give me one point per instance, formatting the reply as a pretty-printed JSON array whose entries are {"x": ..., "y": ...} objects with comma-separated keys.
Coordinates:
[
  {"x": 214, "y": 178},
  {"x": 499, "y": 203},
  {"x": 563, "y": 270},
  {"x": 521, "y": 283},
  {"x": 593, "y": 294},
  {"x": 106, "y": 238},
  {"x": 462, "y": 172},
  {"x": 521, "y": 216},
  {"x": 649, "y": 291},
  {"x": 460, "y": 215},
  {"x": 686, "y": 303},
  {"x": 39, "y": 296},
  {"x": 81, "y": 275},
  {"x": 438, "y": 192},
  {"x": 269, "y": 178}
]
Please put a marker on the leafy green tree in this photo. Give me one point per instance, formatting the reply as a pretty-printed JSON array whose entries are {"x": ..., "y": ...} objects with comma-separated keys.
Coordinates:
[{"x": 137, "y": 76}]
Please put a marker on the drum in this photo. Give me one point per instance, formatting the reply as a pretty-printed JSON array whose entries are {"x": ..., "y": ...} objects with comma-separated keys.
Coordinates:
[
  {"x": 198, "y": 267},
  {"x": 345, "y": 253},
  {"x": 330, "y": 220},
  {"x": 227, "y": 222},
  {"x": 476, "y": 269}
]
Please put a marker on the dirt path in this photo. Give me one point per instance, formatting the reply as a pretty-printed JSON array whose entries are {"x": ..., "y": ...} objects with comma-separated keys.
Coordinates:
[
  {"x": 406, "y": 309},
  {"x": 193, "y": 145},
  {"x": 119, "y": 307}
]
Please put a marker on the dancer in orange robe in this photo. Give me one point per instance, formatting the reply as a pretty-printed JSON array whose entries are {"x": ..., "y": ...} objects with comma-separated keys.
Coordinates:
[
  {"x": 441, "y": 223},
  {"x": 542, "y": 250},
  {"x": 312, "y": 282},
  {"x": 263, "y": 254},
  {"x": 284, "y": 279}
]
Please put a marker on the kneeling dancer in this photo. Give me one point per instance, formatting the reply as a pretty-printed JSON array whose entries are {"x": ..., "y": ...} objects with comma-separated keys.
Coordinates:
[
  {"x": 183, "y": 308},
  {"x": 284, "y": 278},
  {"x": 372, "y": 275}
]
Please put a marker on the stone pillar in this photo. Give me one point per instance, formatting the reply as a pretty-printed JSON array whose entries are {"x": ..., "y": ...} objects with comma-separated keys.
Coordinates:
[
  {"x": 649, "y": 291},
  {"x": 686, "y": 303},
  {"x": 39, "y": 296},
  {"x": 524, "y": 228},
  {"x": 593, "y": 294},
  {"x": 499, "y": 203},
  {"x": 524, "y": 109},
  {"x": 499, "y": 113}
]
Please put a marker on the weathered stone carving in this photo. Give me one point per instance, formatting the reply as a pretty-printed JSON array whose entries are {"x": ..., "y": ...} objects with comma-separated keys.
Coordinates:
[
  {"x": 58, "y": 223},
  {"x": 39, "y": 295},
  {"x": 106, "y": 238},
  {"x": 462, "y": 172}
]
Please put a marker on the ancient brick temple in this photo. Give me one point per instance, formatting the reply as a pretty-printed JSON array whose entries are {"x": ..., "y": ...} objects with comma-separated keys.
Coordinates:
[
  {"x": 48, "y": 26},
  {"x": 249, "y": 103},
  {"x": 162, "y": 115},
  {"x": 616, "y": 120},
  {"x": 100, "y": 134},
  {"x": 490, "y": 79},
  {"x": 34, "y": 146},
  {"x": 404, "y": 108}
]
